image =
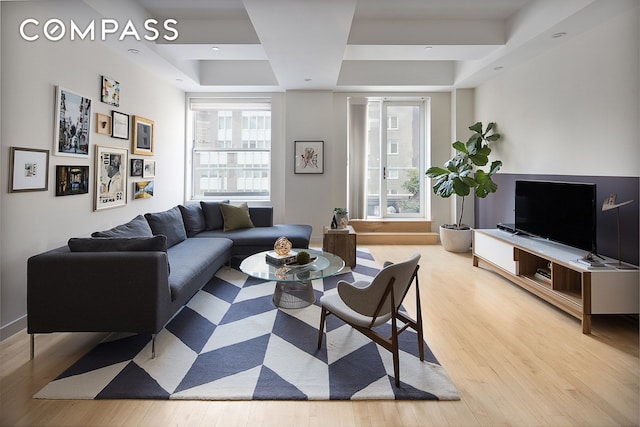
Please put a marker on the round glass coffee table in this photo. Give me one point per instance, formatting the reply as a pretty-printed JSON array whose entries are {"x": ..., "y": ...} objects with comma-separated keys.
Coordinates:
[{"x": 293, "y": 282}]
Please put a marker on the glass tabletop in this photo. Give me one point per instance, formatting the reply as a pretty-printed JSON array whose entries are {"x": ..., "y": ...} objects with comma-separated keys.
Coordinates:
[{"x": 325, "y": 264}]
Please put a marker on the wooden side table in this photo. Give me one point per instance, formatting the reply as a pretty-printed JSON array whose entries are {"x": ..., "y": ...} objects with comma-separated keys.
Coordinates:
[{"x": 342, "y": 244}]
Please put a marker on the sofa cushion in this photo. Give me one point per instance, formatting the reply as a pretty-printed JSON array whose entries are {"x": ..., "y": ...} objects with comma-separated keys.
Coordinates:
[
  {"x": 137, "y": 227},
  {"x": 111, "y": 244},
  {"x": 168, "y": 223},
  {"x": 212, "y": 215},
  {"x": 193, "y": 219},
  {"x": 236, "y": 217},
  {"x": 194, "y": 262},
  {"x": 252, "y": 240}
]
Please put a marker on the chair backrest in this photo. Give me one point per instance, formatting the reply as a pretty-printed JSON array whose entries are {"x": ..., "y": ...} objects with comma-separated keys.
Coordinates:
[{"x": 367, "y": 300}]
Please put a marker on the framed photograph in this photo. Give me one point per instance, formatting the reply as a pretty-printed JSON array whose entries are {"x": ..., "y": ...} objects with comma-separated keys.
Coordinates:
[
  {"x": 110, "y": 91},
  {"x": 143, "y": 189},
  {"x": 103, "y": 124},
  {"x": 71, "y": 180},
  {"x": 111, "y": 177},
  {"x": 120, "y": 125},
  {"x": 149, "y": 170},
  {"x": 309, "y": 157},
  {"x": 142, "y": 136},
  {"x": 136, "y": 167},
  {"x": 28, "y": 169},
  {"x": 72, "y": 124}
]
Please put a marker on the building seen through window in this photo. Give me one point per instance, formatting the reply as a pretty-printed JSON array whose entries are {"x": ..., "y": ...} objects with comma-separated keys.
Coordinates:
[{"x": 232, "y": 151}]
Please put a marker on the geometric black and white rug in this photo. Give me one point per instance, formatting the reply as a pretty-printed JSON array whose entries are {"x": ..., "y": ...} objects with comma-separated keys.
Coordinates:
[{"x": 230, "y": 343}]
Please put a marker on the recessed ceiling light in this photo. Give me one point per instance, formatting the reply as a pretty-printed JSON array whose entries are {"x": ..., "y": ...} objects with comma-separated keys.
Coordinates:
[
  {"x": 179, "y": 79},
  {"x": 428, "y": 47},
  {"x": 134, "y": 51},
  {"x": 498, "y": 68},
  {"x": 215, "y": 48},
  {"x": 307, "y": 79},
  {"x": 558, "y": 35}
]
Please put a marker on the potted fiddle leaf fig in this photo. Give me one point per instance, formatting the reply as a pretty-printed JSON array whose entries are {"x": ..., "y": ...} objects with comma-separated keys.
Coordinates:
[{"x": 462, "y": 175}]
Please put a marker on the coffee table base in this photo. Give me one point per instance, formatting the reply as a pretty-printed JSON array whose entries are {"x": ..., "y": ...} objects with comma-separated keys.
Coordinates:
[{"x": 294, "y": 294}]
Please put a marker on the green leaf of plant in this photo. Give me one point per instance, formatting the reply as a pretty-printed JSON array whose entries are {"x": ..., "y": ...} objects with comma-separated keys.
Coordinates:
[
  {"x": 495, "y": 167},
  {"x": 460, "y": 147},
  {"x": 489, "y": 127},
  {"x": 494, "y": 137},
  {"x": 485, "y": 184},
  {"x": 477, "y": 127},
  {"x": 445, "y": 189},
  {"x": 480, "y": 159},
  {"x": 460, "y": 187},
  {"x": 436, "y": 171},
  {"x": 474, "y": 144}
]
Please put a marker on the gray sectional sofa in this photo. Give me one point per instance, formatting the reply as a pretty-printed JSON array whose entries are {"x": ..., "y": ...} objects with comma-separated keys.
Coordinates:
[{"x": 135, "y": 277}]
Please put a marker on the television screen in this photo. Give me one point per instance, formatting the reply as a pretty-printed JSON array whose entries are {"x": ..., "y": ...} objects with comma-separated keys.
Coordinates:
[{"x": 564, "y": 212}]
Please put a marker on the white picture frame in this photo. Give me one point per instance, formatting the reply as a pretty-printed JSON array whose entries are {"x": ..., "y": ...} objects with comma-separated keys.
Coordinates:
[
  {"x": 72, "y": 124},
  {"x": 110, "y": 177}
]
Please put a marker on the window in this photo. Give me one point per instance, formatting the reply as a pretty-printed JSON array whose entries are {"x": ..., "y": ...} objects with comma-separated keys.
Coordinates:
[
  {"x": 393, "y": 147},
  {"x": 231, "y": 149},
  {"x": 394, "y": 157},
  {"x": 392, "y": 122}
]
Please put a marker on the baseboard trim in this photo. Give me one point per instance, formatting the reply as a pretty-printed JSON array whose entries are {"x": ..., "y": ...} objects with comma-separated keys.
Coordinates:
[{"x": 13, "y": 328}]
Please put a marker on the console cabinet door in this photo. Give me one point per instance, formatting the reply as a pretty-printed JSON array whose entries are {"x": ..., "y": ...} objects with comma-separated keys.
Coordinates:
[
  {"x": 496, "y": 252},
  {"x": 614, "y": 292}
]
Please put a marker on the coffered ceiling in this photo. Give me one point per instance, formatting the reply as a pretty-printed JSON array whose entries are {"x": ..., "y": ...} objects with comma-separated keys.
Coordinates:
[{"x": 350, "y": 45}]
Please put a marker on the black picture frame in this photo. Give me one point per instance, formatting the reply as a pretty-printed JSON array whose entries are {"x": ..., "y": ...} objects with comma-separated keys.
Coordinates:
[
  {"x": 309, "y": 157},
  {"x": 72, "y": 180},
  {"x": 119, "y": 125}
]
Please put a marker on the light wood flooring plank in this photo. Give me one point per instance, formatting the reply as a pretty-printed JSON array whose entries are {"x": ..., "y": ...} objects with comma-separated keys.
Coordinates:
[{"x": 514, "y": 359}]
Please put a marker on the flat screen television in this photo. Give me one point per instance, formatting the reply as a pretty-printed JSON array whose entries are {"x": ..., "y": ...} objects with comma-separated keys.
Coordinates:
[{"x": 564, "y": 212}]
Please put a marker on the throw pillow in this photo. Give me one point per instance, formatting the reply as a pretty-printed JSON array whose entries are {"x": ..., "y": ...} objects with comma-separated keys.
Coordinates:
[
  {"x": 193, "y": 219},
  {"x": 137, "y": 227},
  {"x": 236, "y": 217},
  {"x": 212, "y": 215},
  {"x": 168, "y": 223},
  {"x": 111, "y": 244}
]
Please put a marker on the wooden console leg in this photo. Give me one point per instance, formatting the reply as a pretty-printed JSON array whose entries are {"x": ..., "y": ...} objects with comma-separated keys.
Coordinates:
[
  {"x": 586, "y": 323},
  {"x": 32, "y": 346}
]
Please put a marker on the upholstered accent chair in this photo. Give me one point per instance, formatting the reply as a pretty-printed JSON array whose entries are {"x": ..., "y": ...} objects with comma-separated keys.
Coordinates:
[{"x": 367, "y": 305}]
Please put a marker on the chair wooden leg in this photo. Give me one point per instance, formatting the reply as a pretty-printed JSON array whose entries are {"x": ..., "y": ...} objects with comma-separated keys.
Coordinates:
[
  {"x": 394, "y": 340},
  {"x": 419, "y": 319},
  {"x": 323, "y": 316}
]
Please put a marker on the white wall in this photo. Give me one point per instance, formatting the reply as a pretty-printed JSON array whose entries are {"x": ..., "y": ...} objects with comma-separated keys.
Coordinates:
[
  {"x": 573, "y": 110},
  {"x": 37, "y": 221}
]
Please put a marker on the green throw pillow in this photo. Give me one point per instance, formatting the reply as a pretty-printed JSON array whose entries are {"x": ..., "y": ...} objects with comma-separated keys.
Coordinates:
[{"x": 235, "y": 217}]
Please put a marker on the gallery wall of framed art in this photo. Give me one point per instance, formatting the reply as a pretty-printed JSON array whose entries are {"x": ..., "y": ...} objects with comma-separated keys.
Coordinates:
[{"x": 77, "y": 125}]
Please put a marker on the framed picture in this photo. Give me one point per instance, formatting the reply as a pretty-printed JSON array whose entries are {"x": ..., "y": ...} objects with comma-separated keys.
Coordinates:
[
  {"x": 309, "y": 157},
  {"x": 136, "y": 167},
  {"x": 103, "y": 124},
  {"x": 149, "y": 170},
  {"x": 111, "y": 177},
  {"x": 72, "y": 180},
  {"x": 110, "y": 91},
  {"x": 120, "y": 125},
  {"x": 28, "y": 169},
  {"x": 72, "y": 124},
  {"x": 142, "y": 136},
  {"x": 143, "y": 189}
]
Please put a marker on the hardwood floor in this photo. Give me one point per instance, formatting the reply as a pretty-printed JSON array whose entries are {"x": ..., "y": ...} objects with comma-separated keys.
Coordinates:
[{"x": 515, "y": 360}]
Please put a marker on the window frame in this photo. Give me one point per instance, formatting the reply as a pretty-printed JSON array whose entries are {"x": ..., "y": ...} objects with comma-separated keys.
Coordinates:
[{"x": 237, "y": 146}]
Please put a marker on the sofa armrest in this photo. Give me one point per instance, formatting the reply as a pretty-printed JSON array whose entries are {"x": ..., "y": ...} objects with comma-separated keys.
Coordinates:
[
  {"x": 97, "y": 291},
  {"x": 261, "y": 216}
]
